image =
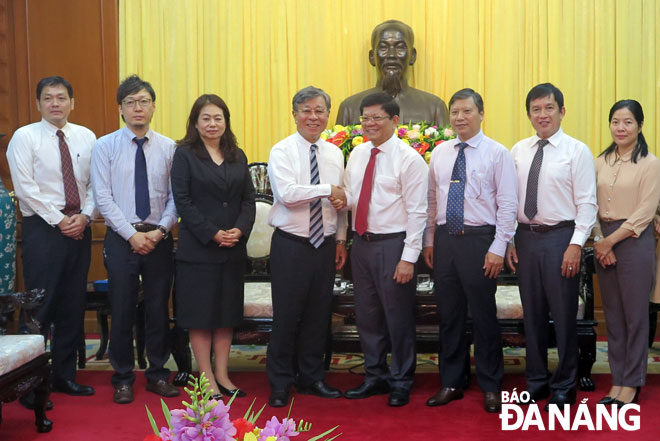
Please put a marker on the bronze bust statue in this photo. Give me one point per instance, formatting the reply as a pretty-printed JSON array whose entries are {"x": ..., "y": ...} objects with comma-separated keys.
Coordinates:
[{"x": 392, "y": 51}]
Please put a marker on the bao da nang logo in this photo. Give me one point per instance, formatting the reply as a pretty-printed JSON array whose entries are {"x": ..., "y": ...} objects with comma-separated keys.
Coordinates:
[{"x": 519, "y": 412}]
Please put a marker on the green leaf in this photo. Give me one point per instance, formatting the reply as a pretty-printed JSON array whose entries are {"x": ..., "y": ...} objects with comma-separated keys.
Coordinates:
[
  {"x": 233, "y": 397},
  {"x": 327, "y": 432},
  {"x": 152, "y": 421},
  {"x": 290, "y": 407},
  {"x": 166, "y": 413},
  {"x": 247, "y": 415},
  {"x": 256, "y": 417}
]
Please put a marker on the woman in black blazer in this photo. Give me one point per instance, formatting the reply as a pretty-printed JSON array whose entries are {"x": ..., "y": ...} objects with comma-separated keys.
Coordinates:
[{"x": 214, "y": 197}]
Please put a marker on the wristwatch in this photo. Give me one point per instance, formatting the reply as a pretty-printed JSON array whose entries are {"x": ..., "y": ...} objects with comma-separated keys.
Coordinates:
[
  {"x": 340, "y": 242},
  {"x": 597, "y": 238},
  {"x": 163, "y": 231},
  {"x": 89, "y": 219}
]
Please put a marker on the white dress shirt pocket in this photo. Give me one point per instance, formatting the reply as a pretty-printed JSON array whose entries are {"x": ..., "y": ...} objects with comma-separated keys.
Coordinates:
[
  {"x": 81, "y": 165},
  {"x": 331, "y": 173},
  {"x": 387, "y": 184},
  {"x": 556, "y": 174},
  {"x": 473, "y": 184}
]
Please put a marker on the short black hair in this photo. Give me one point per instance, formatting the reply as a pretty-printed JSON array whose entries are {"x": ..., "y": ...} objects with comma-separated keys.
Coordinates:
[
  {"x": 385, "y": 100},
  {"x": 464, "y": 94},
  {"x": 133, "y": 84},
  {"x": 543, "y": 90},
  {"x": 55, "y": 80}
]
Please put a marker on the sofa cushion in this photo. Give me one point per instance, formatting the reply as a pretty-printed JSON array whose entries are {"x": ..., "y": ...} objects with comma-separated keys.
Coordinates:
[
  {"x": 509, "y": 305},
  {"x": 258, "y": 301},
  {"x": 16, "y": 350}
]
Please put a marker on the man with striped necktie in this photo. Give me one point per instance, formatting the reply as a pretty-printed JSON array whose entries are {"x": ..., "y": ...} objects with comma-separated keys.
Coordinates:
[{"x": 308, "y": 245}]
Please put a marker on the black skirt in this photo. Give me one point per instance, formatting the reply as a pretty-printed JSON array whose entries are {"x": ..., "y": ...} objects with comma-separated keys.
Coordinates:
[{"x": 209, "y": 295}]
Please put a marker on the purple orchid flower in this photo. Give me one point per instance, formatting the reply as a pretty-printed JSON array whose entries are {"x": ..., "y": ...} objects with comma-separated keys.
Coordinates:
[{"x": 281, "y": 431}]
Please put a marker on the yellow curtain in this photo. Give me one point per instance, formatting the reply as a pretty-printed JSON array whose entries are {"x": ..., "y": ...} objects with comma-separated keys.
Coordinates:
[{"x": 256, "y": 54}]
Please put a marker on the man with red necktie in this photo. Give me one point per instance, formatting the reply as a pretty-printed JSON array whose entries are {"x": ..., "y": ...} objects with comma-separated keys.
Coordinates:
[
  {"x": 386, "y": 184},
  {"x": 49, "y": 163}
]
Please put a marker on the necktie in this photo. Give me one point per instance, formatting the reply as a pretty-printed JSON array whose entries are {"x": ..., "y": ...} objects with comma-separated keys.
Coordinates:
[
  {"x": 142, "y": 206},
  {"x": 531, "y": 195},
  {"x": 315, "y": 212},
  {"x": 71, "y": 196},
  {"x": 456, "y": 196},
  {"x": 365, "y": 194}
]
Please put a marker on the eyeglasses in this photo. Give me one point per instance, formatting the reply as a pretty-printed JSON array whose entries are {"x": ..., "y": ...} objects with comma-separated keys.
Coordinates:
[
  {"x": 366, "y": 119},
  {"x": 144, "y": 102}
]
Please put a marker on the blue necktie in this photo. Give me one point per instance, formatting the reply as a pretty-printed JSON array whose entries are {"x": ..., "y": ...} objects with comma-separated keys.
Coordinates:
[
  {"x": 142, "y": 206},
  {"x": 456, "y": 197},
  {"x": 315, "y": 212}
]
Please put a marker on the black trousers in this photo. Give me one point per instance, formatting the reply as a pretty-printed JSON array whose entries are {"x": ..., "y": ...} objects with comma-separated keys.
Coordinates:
[
  {"x": 460, "y": 282},
  {"x": 384, "y": 311},
  {"x": 544, "y": 291},
  {"x": 124, "y": 271},
  {"x": 59, "y": 265},
  {"x": 301, "y": 284}
]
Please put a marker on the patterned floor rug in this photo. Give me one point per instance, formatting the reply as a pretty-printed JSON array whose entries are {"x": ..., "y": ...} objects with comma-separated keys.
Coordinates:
[{"x": 249, "y": 358}]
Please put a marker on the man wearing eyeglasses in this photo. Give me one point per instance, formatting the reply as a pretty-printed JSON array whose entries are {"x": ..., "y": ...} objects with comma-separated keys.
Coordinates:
[
  {"x": 49, "y": 164},
  {"x": 472, "y": 210},
  {"x": 308, "y": 245},
  {"x": 131, "y": 183},
  {"x": 386, "y": 184}
]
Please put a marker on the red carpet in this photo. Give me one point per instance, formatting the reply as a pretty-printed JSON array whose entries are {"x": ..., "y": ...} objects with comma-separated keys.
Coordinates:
[{"x": 97, "y": 418}]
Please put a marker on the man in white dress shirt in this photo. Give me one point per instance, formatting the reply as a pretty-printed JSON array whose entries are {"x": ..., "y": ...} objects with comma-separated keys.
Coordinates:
[
  {"x": 556, "y": 211},
  {"x": 49, "y": 163},
  {"x": 386, "y": 188},
  {"x": 308, "y": 245},
  {"x": 472, "y": 214}
]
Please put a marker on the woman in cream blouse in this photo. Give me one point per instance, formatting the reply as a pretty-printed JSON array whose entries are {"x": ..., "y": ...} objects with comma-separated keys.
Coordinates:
[{"x": 628, "y": 179}]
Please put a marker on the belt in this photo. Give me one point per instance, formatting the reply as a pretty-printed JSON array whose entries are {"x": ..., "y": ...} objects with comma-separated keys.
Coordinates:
[
  {"x": 536, "y": 228},
  {"x": 297, "y": 238},
  {"x": 469, "y": 230},
  {"x": 372, "y": 237},
  {"x": 144, "y": 228}
]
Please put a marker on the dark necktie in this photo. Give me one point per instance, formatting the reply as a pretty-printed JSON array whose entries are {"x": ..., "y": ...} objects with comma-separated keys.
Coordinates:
[
  {"x": 142, "y": 206},
  {"x": 456, "y": 196},
  {"x": 71, "y": 196},
  {"x": 531, "y": 196},
  {"x": 365, "y": 194},
  {"x": 315, "y": 212}
]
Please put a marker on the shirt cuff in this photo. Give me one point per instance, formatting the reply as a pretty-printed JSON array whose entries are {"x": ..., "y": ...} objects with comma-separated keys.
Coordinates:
[
  {"x": 498, "y": 247},
  {"x": 325, "y": 190},
  {"x": 429, "y": 232},
  {"x": 636, "y": 229},
  {"x": 126, "y": 231},
  {"x": 409, "y": 254},
  {"x": 53, "y": 219},
  {"x": 340, "y": 235},
  {"x": 578, "y": 238}
]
